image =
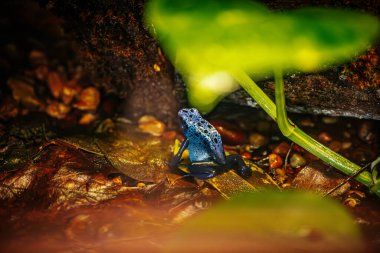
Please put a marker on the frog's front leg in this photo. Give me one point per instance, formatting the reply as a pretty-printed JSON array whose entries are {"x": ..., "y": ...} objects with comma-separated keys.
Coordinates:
[
  {"x": 237, "y": 163},
  {"x": 177, "y": 158},
  {"x": 205, "y": 170}
]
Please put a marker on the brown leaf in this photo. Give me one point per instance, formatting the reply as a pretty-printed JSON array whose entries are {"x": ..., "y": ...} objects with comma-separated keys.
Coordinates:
[
  {"x": 55, "y": 84},
  {"x": 89, "y": 99},
  {"x": 57, "y": 110},
  {"x": 24, "y": 93}
]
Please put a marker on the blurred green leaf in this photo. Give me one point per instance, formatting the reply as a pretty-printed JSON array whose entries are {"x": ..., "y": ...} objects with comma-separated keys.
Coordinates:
[
  {"x": 207, "y": 39},
  {"x": 270, "y": 222}
]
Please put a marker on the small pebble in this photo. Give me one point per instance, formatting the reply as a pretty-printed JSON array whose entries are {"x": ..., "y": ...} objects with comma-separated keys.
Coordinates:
[
  {"x": 275, "y": 138},
  {"x": 324, "y": 137},
  {"x": 329, "y": 120},
  {"x": 275, "y": 161},
  {"x": 346, "y": 145},
  {"x": 246, "y": 155},
  {"x": 263, "y": 127},
  {"x": 257, "y": 140},
  {"x": 262, "y": 151},
  {"x": 297, "y": 160},
  {"x": 281, "y": 149},
  {"x": 117, "y": 180},
  {"x": 37, "y": 58},
  {"x": 363, "y": 154},
  {"x": 280, "y": 175},
  {"x": 298, "y": 149},
  {"x": 351, "y": 202},
  {"x": 367, "y": 132},
  {"x": 149, "y": 124},
  {"x": 311, "y": 157},
  {"x": 346, "y": 134},
  {"x": 169, "y": 135},
  {"x": 87, "y": 118},
  {"x": 106, "y": 126},
  {"x": 41, "y": 72},
  {"x": 359, "y": 194},
  {"x": 230, "y": 133},
  {"x": 156, "y": 67},
  {"x": 307, "y": 123},
  {"x": 335, "y": 146}
]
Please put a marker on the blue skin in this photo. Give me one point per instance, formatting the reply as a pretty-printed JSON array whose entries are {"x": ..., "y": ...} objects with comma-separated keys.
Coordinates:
[{"x": 205, "y": 148}]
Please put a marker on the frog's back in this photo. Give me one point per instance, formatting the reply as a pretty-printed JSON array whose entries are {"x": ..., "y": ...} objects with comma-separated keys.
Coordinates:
[{"x": 205, "y": 143}]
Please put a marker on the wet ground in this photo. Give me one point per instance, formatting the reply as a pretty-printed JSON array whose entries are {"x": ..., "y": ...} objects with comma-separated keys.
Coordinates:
[
  {"x": 112, "y": 189},
  {"x": 77, "y": 175}
]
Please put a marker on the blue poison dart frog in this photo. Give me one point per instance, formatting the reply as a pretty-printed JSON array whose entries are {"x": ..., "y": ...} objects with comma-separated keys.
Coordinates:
[{"x": 205, "y": 148}]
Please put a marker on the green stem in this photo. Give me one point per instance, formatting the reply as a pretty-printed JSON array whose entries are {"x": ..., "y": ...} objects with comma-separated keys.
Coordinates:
[
  {"x": 293, "y": 132},
  {"x": 256, "y": 93}
]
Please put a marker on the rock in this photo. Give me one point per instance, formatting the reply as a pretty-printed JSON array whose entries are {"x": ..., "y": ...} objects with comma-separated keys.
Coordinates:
[
  {"x": 257, "y": 140},
  {"x": 230, "y": 133},
  {"x": 41, "y": 72},
  {"x": 275, "y": 161},
  {"x": 346, "y": 145},
  {"x": 281, "y": 149},
  {"x": 363, "y": 154},
  {"x": 87, "y": 118},
  {"x": 37, "y": 58},
  {"x": 307, "y": 123},
  {"x": 297, "y": 160},
  {"x": 169, "y": 135},
  {"x": 246, "y": 155},
  {"x": 318, "y": 178},
  {"x": 335, "y": 146},
  {"x": 319, "y": 93},
  {"x": 367, "y": 132},
  {"x": 149, "y": 124},
  {"x": 324, "y": 137},
  {"x": 119, "y": 53},
  {"x": 329, "y": 120}
]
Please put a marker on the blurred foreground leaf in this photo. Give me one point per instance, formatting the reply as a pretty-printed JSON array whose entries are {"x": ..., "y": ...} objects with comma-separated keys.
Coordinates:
[
  {"x": 270, "y": 222},
  {"x": 208, "y": 39}
]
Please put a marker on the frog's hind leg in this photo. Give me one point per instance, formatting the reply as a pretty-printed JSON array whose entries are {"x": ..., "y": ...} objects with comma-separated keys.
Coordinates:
[
  {"x": 236, "y": 162},
  {"x": 205, "y": 170}
]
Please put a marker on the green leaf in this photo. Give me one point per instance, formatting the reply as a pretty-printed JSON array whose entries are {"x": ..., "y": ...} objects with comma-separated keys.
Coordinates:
[
  {"x": 207, "y": 39},
  {"x": 375, "y": 166},
  {"x": 270, "y": 222}
]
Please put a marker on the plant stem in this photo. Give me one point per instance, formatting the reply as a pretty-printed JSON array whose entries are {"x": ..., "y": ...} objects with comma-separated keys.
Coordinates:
[
  {"x": 292, "y": 131},
  {"x": 256, "y": 93}
]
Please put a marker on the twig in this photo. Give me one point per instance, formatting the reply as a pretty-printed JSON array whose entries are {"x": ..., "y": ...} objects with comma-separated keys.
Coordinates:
[
  {"x": 287, "y": 155},
  {"x": 347, "y": 179}
]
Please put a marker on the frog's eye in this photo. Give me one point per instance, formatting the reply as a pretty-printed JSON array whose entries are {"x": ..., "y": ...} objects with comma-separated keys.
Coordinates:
[{"x": 191, "y": 110}]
